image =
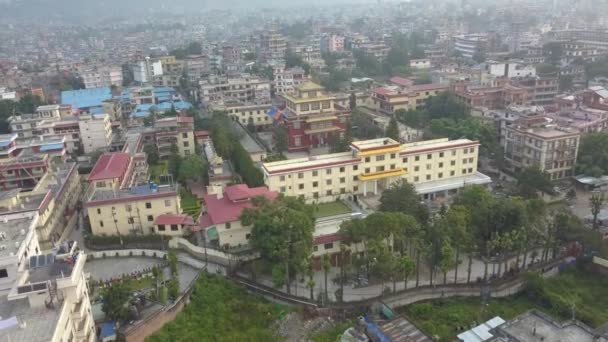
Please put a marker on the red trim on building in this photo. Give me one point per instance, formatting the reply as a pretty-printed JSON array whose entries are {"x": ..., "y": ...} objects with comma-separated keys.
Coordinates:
[
  {"x": 351, "y": 161},
  {"x": 474, "y": 143},
  {"x": 130, "y": 199}
]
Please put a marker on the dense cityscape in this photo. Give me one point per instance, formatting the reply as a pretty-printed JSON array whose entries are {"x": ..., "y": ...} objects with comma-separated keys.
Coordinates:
[{"x": 304, "y": 171}]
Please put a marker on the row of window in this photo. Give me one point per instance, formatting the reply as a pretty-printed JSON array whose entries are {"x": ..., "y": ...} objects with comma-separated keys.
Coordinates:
[
  {"x": 129, "y": 208},
  {"x": 326, "y": 247},
  {"x": 367, "y": 170}
]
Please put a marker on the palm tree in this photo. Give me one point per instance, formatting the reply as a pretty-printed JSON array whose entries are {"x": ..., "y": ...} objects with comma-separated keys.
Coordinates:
[
  {"x": 407, "y": 266},
  {"x": 326, "y": 267},
  {"x": 596, "y": 201},
  {"x": 311, "y": 283},
  {"x": 342, "y": 272}
]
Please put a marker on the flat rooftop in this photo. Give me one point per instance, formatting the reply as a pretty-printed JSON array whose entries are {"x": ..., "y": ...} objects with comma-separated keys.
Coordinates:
[
  {"x": 135, "y": 192},
  {"x": 436, "y": 144},
  {"x": 310, "y": 162},
  {"x": 535, "y": 326},
  {"x": 363, "y": 145},
  {"x": 26, "y": 323},
  {"x": 549, "y": 132},
  {"x": 13, "y": 233}
]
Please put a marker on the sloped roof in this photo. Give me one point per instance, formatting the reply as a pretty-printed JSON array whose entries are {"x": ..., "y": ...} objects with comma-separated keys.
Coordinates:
[
  {"x": 229, "y": 207},
  {"x": 110, "y": 165},
  {"x": 169, "y": 219}
]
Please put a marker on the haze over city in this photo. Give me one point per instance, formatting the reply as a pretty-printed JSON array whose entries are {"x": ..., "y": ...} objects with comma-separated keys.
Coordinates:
[{"x": 336, "y": 170}]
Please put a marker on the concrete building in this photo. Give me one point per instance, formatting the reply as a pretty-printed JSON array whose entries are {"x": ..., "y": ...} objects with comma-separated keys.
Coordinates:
[
  {"x": 389, "y": 99},
  {"x": 178, "y": 131},
  {"x": 313, "y": 117},
  {"x": 273, "y": 47},
  {"x": 43, "y": 295},
  {"x": 437, "y": 168},
  {"x": 468, "y": 45},
  {"x": 332, "y": 43},
  {"x": 231, "y": 59},
  {"x": 245, "y": 113},
  {"x": 54, "y": 198},
  {"x": 132, "y": 211},
  {"x": 220, "y": 217},
  {"x": 424, "y": 63},
  {"x": 102, "y": 76},
  {"x": 500, "y": 94},
  {"x": 24, "y": 162},
  {"x": 511, "y": 69},
  {"x": 286, "y": 80},
  {"x": 246, "y": 88},
  {"x": 537, "y": 326},
  {"x": 197, "y": 67},
  {"x": 543, "y": 89},
  {"x": 95, "y": 132},
  {"x": 537, "y": 141}
]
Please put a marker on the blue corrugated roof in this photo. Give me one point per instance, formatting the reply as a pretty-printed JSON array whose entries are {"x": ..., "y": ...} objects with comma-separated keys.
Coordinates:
[
  {"x": 96, "y": 110},
  {"x": 143, "y": 110},
  {"x": 107, "y": 330},
  {"x": 49, "y": 147},
  {"x": 84, "y": 98}
]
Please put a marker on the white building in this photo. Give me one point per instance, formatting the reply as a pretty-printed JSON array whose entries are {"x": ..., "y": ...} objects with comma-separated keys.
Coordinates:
[
  {"x": 285, "y": 80},
  {"x": 95, "y": 132},
  {"x": 470, "y": 44},
  {"x": 423, "y": 63},
  {"x": 7, "y": 95},
  {"x": 43, "y": 295},
  {"x": 144, "y": 71},
  {"x": 102, "y": 76},
  {"x": 512, "y": 69}
]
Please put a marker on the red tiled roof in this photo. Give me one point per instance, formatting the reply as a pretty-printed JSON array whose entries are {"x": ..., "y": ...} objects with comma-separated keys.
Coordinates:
[
  {"x": 400, "y": 81},
  {"x": 203, "y": 222},
  {"x": 235, "y": 199},
  {"x": 110, "y": 165},
  {"x": 384, "y": 91},
  {"x": 329, "y": 238},
  {"x": 168, "y": 219},
  {"x": 185, "y": 119},
  {"x": 432, "y": 86},
  {"x": 201, "y": 133}
]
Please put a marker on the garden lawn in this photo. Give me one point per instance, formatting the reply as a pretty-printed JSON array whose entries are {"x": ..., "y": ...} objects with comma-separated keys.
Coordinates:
[
  {"x": 332, "y": 334},
  {"x": 331, "y": 209},
  {"x": 189, "y": 202},
  {"x": 222, "y": 311},
  {"x": 443, "y": 319},
  {"x": 157, "y": 170}
]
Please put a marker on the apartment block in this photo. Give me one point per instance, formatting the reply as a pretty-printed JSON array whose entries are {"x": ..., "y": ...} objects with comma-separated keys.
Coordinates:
[
  {"x": 246, "y": 88},
  {"x": 95, "y": 132},
  {"x": 389, "y": 99},
  {"x": 43, "y": 295},
  {"x": 287, "y": 79},
  {"x": 245, "y": 113},
  {"x": 313, "y": 117},
  {"x": 102, "y": 76},
  {"x": 437, "y": 168},
  {"x": 273, "y": 46},
  {"x": 535, "y": 141},
  {"x": 24, "y": 162},
  {"x": 132, "y": 211},
  {"x": 178, "y": 131},
  {"x": 197, "y": 67}
]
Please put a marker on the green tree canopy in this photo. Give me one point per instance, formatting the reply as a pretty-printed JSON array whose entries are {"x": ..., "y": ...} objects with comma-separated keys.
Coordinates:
[
  {"x": 282, "y": 231},
  {"x": 151, "y": 152},
  {"x": 593, "y": 155},
  {"x": 531, "y": 180},
  {"x": 392, "y": 131},
  {"x": 192, "y": 168},
  {"x": 402, "y": 197},
  {"x": 115, "y": 303}
]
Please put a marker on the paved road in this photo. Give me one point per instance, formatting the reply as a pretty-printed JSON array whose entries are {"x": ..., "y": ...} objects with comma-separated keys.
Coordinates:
[
  {"x": 108, "y": 268},
  {"x": 354, "y": 294}
]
